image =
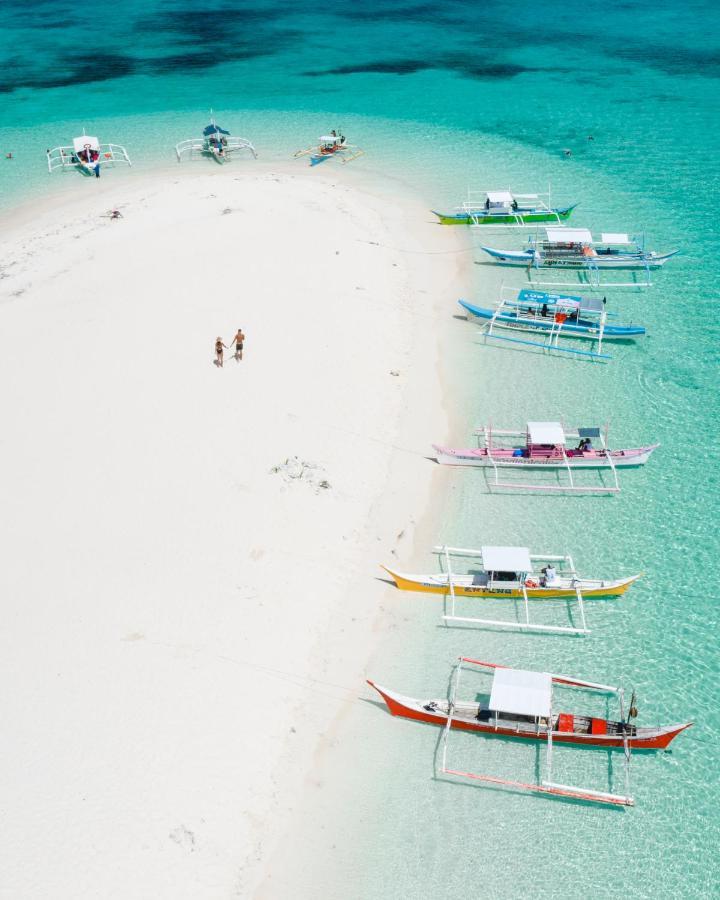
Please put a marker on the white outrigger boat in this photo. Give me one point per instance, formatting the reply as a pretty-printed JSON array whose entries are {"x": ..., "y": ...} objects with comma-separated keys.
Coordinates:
[
  {"x": 513, "y": 574},
  {"x": 576, "y": 249},
  {"x": 505, "y": 209},
  {"x": 333, "y": 145},
  {"x": 86, "y": 154},
  {"x": 215, "y": 142},
  {"x": 523, "y": 705},
  {"x": 550, "y": 317},
  {"x": 542, "y": 446}
]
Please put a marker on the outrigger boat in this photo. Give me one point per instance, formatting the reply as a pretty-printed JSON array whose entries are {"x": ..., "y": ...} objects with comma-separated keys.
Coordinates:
[
  {"x": 511, "y": 573},
  {"x": 554, "y": 317},
  {"x": 331, "y": 145},
  {"x": 215, "y": 142},
  {"x": 577, "y": 249},
  {"x": 521, "y": 706},
  {"x": 543, "y": 446},
  {"x": 505, "y": 209},
  {"x": 86, "y": 154}
]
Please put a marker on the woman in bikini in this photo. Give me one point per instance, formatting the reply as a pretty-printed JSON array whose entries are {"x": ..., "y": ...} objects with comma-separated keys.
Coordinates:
[
  {"x": 219, "y": 351},
  {"x": 239, "y": 342}
]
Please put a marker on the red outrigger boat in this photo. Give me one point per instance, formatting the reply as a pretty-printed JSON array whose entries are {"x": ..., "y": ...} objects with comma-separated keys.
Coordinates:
[{"x": 520, "y": 706}]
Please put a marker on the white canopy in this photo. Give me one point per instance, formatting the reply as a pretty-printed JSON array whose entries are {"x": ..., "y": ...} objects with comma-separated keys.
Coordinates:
[
  {"x": 522, "y": 693},
  {"x": 567, "y": 303},
  {"x": 506, "y": 559},
  {"x": 500, "y": 196},
  {"x": 591, "y": 304},
  {"x": 328, "y": 139},
  {"x": 614, "y": 238},
  {"x": 569, "y": 235},
  {"x": 80, "y": 143},
  {"x": 545, "y": 433}
]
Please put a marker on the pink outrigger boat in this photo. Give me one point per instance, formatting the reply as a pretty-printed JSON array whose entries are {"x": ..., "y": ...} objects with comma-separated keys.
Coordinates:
[{"x": 545, "y": 446}]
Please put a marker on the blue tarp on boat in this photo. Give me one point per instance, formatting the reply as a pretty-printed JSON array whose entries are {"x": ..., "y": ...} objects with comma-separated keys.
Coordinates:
[{"x": 214, "y": 129}]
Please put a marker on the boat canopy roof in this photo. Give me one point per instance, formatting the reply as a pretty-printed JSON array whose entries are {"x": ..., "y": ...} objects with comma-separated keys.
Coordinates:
[
  {"x": 569, "y": 235},
  {"x": 212, "y": 128},
  {"x": 614, "y": 238},
  {"x": 591, "y": 304},
  {"x": 500, "y": 196},
  {"x": 506, "y": 559},
  {"x": 520, "y": 692},
  {"x": 529, "y": 296},
  {"x": 85, "y": 140},
  {"x": 584, "y": 304},
  {"x": 329, "y": 138},
  {"x": 545, "y": 433}
]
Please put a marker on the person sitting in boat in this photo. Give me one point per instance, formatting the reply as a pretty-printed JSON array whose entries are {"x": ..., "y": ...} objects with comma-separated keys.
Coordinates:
[
  {"x": 585, "y": 445},
  {"x": 515, "y": 205},
  {"x": 550, "y": 575},
  {"x": 487, "y": 204}
]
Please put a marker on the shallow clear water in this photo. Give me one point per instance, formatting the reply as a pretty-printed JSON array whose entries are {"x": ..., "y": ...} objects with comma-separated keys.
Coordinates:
[{"x": 446, "y": 97}]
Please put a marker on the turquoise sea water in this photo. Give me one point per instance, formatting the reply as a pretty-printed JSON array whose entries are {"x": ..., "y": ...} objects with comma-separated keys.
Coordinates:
[{"x": 446, "y": 96}]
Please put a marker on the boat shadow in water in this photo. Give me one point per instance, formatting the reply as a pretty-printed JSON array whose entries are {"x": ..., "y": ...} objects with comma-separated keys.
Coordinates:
[
  {"x": 387, "y": 581},
  {"x": 539, "y": 349},
  {"x": 378, "y": 704},
  {"x": 560, "y": 492},
  {"x": 558, "y": 612},
  {"x": 442, "y": 778}
]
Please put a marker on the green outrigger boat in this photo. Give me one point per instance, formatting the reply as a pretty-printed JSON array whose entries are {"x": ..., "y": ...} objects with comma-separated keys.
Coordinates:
[{"x": 504, "y": 209}]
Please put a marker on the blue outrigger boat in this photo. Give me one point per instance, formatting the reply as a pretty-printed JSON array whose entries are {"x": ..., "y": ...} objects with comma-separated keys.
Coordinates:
[
  {"x": 552, "y": 316},
  {"x": 333, "y": 145}
]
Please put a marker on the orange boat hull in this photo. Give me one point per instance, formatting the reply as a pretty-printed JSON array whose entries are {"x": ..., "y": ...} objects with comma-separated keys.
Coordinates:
[{"x": 657, "y": 739}]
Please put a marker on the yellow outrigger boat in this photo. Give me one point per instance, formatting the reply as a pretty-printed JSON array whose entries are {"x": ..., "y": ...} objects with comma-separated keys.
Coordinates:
[
  {"x": 467, "y": 586},
  {"x": 511, "y": 573}
]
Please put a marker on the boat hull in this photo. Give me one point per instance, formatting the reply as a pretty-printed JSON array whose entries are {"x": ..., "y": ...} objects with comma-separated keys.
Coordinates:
[
  {"x": 588, "y": 331},
  {"x": 522, "y": 217},
  {"x": 579, "y": 262},
  {"x": 409, "y": 708},
  {"x": 431, "y": 584},
  {"x": 622, "y": 459}
]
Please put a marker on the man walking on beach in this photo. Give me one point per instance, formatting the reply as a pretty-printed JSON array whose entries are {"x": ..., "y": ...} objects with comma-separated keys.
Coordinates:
[{"x": 239, "y": 342}]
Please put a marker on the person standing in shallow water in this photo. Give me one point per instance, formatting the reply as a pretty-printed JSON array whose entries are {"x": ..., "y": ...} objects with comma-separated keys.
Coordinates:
[
  {"x": 239, "y": 344},
  {"x": 219, "y": 351}
]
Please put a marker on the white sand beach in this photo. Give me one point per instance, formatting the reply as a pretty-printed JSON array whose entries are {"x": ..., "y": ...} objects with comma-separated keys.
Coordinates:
[{"x": 182, "y": 624}]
